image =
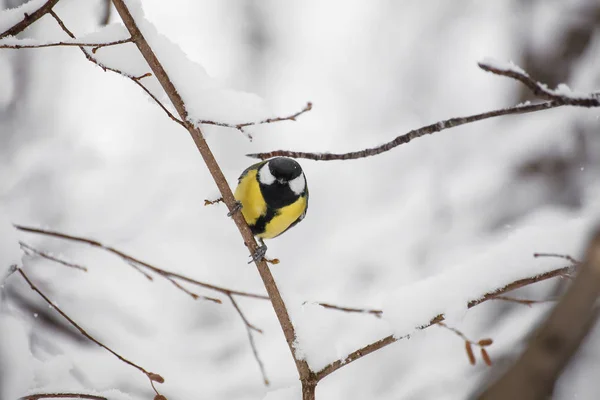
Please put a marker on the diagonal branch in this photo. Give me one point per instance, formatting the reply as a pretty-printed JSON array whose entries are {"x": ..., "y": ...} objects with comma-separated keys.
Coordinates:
[
  {"x": 249, "y": 328},
  {"x": 134, "y": 79},
  {"x": 363, "y": 351},
  {"x": 29, "y": 19},
  {"x": 137, "y": 262},
  {"x": 153, "y": 377},
  {"x": 409, "y": 136},
  {"x": 31, "y": 250},
  {"x": 220, "y": 180},
  {"x": 556, "y": 99}
]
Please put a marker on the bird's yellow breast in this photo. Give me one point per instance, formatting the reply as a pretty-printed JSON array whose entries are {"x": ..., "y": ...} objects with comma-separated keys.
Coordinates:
[
  {"x": 285, "y": 217},
  {"x": 254, "y": 206},
  {"x": 248, "y": 193}
]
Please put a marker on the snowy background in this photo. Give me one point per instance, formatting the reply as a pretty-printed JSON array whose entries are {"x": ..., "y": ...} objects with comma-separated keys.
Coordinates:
[{"x": 86, "y": 152}]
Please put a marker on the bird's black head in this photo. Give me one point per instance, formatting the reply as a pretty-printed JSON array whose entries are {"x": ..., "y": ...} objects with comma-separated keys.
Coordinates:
[{"x": 284, "y": 169}]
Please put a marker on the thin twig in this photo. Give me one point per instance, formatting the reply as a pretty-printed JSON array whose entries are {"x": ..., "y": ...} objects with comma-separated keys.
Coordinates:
[
  {"x": 240, "y": 127},
  {"x": 374, "y": 312},
  {"x": 249, "y": 329},
  {"x": 556, "y": 100},
  {"x": 153, "y": 377},
  {"x": 134, "y": 79},
  {"x": 556, "y": 255},
  {"x": 64, "y": 44},
  {"x": 409, "y": 136},
  {"x": 39, "y": 396},
  {"x": 370, "y": 348},
  {"x": 127, "y": 258},
  {"x": 526, "y": 302},
  {"x": 29, "y": 19},
  {"x": 539, "y": 89},
  {"x": 482, "y": 344},
  {"x": 31, "y": 250}
]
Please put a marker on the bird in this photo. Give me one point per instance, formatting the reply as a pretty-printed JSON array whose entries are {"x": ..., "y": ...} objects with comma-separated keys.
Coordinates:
[{"x": 273, "y": 197}]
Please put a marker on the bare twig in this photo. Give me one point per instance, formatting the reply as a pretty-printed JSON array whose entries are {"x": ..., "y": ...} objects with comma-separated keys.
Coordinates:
[
  {"x": 240, "y": 127},
  {"x": 526, "y": 302},
  {"x": 221, "y": 182},
  {"x": 376, "y": 313},
  {"x": 153, "y": 377},
  {"x": 249, "y": 329},
  {"x": 139, "y": 263},
  {"x": 211, "y": 202},
  {"x": 29, "y": 19},
  {"x": 134, "y": 79},
  {"x": 556, "y": 255},
  {"x": 556, "y": 100},
  {"x": 409, "y": 136},
  {"x": 482, "y": 344},
  {"x": 31, "y": 250},
  {"x": 40, "y": 396},
  {"x": 370, "y": 348},
  {"x": 63, "y": 44}
]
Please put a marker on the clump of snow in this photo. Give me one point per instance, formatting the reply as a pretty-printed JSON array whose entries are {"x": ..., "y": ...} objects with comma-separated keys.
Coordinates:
[
  {"x": 502, "y": 65},
  {"x": 289, "y": 393},
  {"x": 16, "y": 366},
  {"x": 509, "y": 259},
  {"x": 204, "y": 97}
]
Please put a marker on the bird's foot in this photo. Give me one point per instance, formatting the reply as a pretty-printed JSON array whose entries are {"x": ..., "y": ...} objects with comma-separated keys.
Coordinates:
[
  {"x": 259, "y": 254},
  {"x": 236, "y": 208}
]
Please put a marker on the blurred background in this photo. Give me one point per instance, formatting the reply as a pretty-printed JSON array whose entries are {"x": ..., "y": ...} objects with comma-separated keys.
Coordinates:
[{"x": 86, "y": 152}]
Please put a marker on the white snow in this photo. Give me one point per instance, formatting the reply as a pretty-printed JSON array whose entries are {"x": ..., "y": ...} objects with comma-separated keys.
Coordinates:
[
  {"x": 288, "y": 393},
  {"x": 503, "y": 65},
  {"x": 16, "y": 364}
]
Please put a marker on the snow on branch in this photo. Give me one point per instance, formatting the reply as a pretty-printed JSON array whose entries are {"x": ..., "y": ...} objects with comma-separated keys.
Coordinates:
[
  {"x": 18, "y": 19},
  {"x": 152, "y": 377},
  {"x": 556, "y": 98}
]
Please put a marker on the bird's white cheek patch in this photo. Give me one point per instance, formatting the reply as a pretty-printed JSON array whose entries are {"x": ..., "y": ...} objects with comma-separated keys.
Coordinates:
[
  {"x": 265, "y": 176},
  {"x": 298, "y": 184}
]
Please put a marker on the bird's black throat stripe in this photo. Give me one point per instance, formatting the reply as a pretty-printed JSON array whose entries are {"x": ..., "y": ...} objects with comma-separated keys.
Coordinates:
[{"x": 276, "y": 195}]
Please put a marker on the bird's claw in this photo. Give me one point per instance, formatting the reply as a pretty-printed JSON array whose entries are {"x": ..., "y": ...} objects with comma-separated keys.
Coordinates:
[
  {"x": 259, "y": 254},
  {"x": 236, "y": 208}
]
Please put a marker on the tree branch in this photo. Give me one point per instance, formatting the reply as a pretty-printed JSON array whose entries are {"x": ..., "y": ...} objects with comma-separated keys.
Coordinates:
[
  {"x": 533, "y": 376},
  {"x": 153, "y": 377},
  {"x": 29, "y": 19},
  {"x": 219, "y": 178},
  {"x": 240, "y": 127},
  {"x": 134, "y": 79},
  {"x": 62, "y": 396},
  {"x": 64, "y": 44},
  {"x": 556, "y": 100},
  {"x": 31, "y": 250},
  {"x": 370, "y": 348}
]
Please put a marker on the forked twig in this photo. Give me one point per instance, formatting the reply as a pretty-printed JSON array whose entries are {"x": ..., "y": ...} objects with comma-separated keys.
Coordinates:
[{"x": 240, "y": 127}]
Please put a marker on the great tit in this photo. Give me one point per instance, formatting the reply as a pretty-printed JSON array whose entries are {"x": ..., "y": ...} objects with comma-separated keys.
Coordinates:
[{"x": 274, "y": 197}]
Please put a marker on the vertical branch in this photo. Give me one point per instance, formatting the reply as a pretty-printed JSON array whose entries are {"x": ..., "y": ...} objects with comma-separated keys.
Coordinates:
[{"x": 218, "y": 177}]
